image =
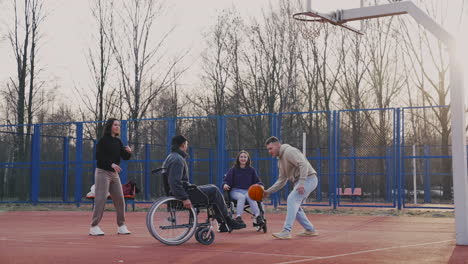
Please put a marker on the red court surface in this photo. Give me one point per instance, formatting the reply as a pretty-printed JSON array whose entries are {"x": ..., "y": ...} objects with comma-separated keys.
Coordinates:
[{"x": 62, "y": 237}]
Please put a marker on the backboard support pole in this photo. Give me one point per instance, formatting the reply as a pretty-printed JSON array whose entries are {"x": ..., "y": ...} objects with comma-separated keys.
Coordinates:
[{"x": 457, "y": 97}]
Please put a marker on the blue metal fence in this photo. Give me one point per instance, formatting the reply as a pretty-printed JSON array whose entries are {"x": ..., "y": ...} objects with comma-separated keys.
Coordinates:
[{"x": 350, "y": 149}]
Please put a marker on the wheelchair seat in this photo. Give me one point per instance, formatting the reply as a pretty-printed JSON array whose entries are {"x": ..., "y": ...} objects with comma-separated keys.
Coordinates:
[
  {"x": 197, "y": 196},
  {"x": 232, "y": 204}
]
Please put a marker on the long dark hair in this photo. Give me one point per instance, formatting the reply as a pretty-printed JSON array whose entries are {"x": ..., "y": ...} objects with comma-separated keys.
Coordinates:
[
  {"x": 237, "y": 163},
  {"x": 107, "y": 130}
]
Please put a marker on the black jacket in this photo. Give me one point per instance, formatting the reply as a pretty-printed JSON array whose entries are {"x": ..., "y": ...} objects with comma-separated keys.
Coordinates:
[
  {"x": 177, "y": 173},
  {"x": 109, "y": 150}
]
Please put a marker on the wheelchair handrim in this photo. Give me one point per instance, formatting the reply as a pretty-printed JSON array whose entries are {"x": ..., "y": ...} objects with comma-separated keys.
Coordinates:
[{"x": 191, "y": 227}]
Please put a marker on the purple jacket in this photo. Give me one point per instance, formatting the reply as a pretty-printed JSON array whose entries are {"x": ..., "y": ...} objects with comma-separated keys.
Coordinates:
[{"x": 241, "y": 178}]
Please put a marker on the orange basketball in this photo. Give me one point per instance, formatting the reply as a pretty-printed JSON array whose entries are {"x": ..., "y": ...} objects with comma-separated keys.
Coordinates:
[{"x": 256, "y": 192}]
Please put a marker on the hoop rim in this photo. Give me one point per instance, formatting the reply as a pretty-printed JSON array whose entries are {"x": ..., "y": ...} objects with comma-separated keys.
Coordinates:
[
  {"x": 313, "y": 16},
  {"x": 309, "y": 17}
]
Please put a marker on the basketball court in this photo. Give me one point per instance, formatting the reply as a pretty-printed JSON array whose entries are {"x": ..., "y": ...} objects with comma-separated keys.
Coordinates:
[{"x": 62, "y": 237}]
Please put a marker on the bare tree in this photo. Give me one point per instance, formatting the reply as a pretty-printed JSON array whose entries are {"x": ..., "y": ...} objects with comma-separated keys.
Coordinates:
[
  {"x": 216, "y": 62},
  {"x": 37, "y": 18},
  {"x": 101, "y": 102},
  {"x": 20, "y": 49},
  {"x": 24, "y": 39},
  {"x": 429, "y": 73},
  {"x": 321, "y": 67},
  {"x": 218, "y": 77},
  {"x": 269, "y": 78},
  {"x": 386, "y": 81},
  {"x": 143, "y": 75},
  {"x": 352, "y": 89}
]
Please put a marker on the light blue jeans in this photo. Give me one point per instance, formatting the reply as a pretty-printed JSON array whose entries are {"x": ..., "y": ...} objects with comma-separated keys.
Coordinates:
[
  {"x": 294, "y": 206},
  {"x": 240, "y": 195}
]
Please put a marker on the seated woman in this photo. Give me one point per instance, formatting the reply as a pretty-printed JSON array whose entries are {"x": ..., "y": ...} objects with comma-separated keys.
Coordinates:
[{"x": 238, "y": 180}]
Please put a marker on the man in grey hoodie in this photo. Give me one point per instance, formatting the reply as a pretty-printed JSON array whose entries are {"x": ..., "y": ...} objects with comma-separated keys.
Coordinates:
[
  {"x": 177, "y": 174},
  {"x": 293, "y": 166}
]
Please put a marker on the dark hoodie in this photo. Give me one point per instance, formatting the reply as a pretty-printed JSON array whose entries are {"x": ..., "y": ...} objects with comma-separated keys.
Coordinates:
[
  {"x": 109, "y": 150},
  {"x": 177, "y": 173}
]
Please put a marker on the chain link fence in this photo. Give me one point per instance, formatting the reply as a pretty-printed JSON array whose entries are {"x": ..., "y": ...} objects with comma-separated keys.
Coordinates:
[{"x": 370, "y": 157}]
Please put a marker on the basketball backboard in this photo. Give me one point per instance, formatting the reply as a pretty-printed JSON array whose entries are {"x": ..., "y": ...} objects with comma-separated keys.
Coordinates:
[{"x": 326, "y": 6}]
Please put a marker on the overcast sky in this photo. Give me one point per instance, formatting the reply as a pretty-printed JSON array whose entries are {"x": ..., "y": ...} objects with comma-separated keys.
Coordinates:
[{"x": 68, "y": 28}]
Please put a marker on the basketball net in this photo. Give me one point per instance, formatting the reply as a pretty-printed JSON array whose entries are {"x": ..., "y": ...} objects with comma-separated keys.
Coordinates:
[{"x": 312, "y": 30}]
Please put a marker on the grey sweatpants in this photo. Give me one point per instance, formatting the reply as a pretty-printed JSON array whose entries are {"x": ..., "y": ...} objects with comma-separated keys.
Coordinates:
[{"x": 108, "y": 181}]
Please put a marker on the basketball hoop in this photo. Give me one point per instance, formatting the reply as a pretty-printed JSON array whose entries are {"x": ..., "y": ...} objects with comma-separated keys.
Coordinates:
[
  {"x": 318, "y": 20},
  {"x": 312, "y": 30}
]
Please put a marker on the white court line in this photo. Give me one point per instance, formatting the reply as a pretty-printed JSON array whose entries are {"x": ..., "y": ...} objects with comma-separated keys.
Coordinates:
[
  {"x": 254, "y": 253},
  {"x": 306, "y": 258},
  {"x": 130, "y": 246},
  {"x": 367, "y": 251},
  {"x": 15, "y": 240},
  {"x": 214, "y": 250},
  {"x": 223, "y": 251}
]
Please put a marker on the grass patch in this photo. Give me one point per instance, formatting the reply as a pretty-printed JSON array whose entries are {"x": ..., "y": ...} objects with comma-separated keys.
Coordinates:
[
  {"x": 371, "y": 211},
  {"x": 269, "y": 209}
]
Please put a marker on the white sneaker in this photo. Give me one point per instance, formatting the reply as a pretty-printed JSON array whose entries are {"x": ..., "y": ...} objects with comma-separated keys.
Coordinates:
[
  {"x": 95, "y": 231},
  {"x": 123, "y": 230},
  {"x": 308, "y": 233},
  {"x": 282, "y": 235}
]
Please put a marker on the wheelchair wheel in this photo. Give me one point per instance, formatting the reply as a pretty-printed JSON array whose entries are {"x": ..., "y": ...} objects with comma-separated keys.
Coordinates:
[
  {"x": 169, "y": 222},
  {"x": 230, "y": 207},
  {"x": 205, "y": 236},
  {"x": 264, "y": 227}
]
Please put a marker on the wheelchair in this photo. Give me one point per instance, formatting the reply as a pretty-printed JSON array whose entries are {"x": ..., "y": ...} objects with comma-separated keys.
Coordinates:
[
  {"x": 172, "y": 224},
  {"x": 232, "y": 204}
]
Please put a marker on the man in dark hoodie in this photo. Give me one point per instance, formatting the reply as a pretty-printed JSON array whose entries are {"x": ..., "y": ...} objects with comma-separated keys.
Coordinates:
[{"x": 177, "y": 173}]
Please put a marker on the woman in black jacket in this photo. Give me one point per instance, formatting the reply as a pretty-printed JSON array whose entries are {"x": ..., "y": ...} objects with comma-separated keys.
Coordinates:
[{"x": 109, "y": 150}]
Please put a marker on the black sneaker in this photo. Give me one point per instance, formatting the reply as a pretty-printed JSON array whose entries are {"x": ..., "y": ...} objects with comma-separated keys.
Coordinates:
[
  {"x": 223, "y": 228},
  {"x": 259, "y": 220},
  {"x": 239, "y": 220},
  {"x": 234, "y": 224}
]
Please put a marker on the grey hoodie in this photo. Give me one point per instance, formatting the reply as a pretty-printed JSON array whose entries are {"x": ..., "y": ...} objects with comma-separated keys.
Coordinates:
[{"x": 293, "y": 166}]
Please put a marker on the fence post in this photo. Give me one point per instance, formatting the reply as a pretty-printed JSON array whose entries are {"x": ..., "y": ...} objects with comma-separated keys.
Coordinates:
[
  {"x": 190, "y": 165},
  {"x": 401, "y": 153},
  {"x": 331, "y": 166},
  {"x": 388, "y": 174},
  {"x": 415, "y": 188},
  {"x": 353, "y": 168},
  {"x": 255, "y": 159},
  {"x": 94, "y": 158},
  {"x": 319, "y": 174},
  {"x": 274, "y": 163},
  {"x": 398, "y": 158},
  {"x": 221, "y": 148},
  {"x": 124, "y": 137},
  {"x": 171, "y": 131},
  {"x": 427, "y": 174},
  {"x": 78, "y": 162},
  {"x": 226, "y": 163},
  {"x": 35, "y": 164},
  {"x": 211, "y": 166},
  {"x": 334, "y": 154},
  {"x": 66, "y": 162},
  {"x": 147, "y": 171}
]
